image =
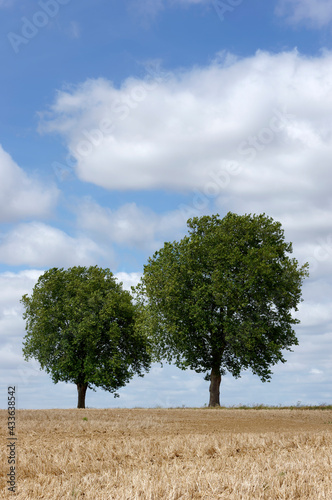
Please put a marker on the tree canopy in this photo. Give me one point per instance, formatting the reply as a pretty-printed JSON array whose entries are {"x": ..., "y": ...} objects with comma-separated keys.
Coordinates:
[
  {"x": 81, "y": 328},
  {"x": 222, "y": 299}
]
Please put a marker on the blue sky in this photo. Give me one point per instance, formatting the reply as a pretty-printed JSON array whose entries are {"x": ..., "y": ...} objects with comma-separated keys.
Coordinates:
[{"x": 119, "y": 120}]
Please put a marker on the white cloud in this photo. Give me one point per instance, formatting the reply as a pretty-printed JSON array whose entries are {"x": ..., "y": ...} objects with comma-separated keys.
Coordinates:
[
  {"x": 22, "y": 196},
  {"x": 37, "y": 244},
  {"x": 14, "y": 285},
  {"x": 271, "y": 112},
  {"x": 129, "y": 225},
  {"x": 128, "y": 279},
  {"x": 246, "y": 135},
  {"x": 313, "y": 314},
  {"x": 316, "y": 371},
  {"x": 12, "y": 328},
  {"x": 315, "y": 13}
]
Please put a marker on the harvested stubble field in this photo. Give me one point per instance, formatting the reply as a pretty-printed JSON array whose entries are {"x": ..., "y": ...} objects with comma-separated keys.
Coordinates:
[{"x": 171, "y": 454}]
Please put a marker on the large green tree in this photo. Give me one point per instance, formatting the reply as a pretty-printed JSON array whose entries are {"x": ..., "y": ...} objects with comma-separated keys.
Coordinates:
[
  {"x": 222, "y": 299},
  {"x": 81, "y": 328}
]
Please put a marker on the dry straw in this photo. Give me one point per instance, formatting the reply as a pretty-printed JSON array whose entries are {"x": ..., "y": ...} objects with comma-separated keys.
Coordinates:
[{"x": 171, "y": 454}]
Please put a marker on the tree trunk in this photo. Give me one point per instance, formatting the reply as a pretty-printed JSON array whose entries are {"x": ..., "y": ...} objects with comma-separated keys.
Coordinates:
[
  {"x": 215, "y": 379},
  {"x": 81, "y": 390}
]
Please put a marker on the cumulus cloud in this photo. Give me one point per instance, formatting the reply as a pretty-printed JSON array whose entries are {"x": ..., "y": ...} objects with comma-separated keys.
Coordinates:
[
  {"x": 13, "y": 286},
  {"x": 239, "y": 134},
  {"x": 129, "y": 225},
  {"x": 12, "y": 327},
  {"x": 315, "y": 13},
  {"x": 128, "y": 279},
  {"x": 38, "y": 244},
  {"x": 22, "y": 196},
  {"x": 267, "y": 111}
]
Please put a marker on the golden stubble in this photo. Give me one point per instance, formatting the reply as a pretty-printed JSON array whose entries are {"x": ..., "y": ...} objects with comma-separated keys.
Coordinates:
[{"x": 171, "y": 454}]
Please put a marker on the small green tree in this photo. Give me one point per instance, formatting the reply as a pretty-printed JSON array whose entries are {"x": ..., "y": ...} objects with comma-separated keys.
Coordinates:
[
  {"x": 81, "y": 328},
  {"x": 221, "y": 299}
]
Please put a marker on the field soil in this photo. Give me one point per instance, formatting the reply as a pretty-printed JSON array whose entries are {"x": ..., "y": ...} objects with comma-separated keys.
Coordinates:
[{"x": 170, "y": 454}]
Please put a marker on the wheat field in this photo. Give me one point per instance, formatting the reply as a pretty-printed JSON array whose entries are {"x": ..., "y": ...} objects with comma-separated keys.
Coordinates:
[{"x": 171, "y": 454}]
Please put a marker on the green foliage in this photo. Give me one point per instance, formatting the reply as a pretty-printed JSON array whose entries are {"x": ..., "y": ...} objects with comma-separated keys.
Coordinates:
[
  {"x": 81, "y": 328},
  {"x": 223, "y": 297}
]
